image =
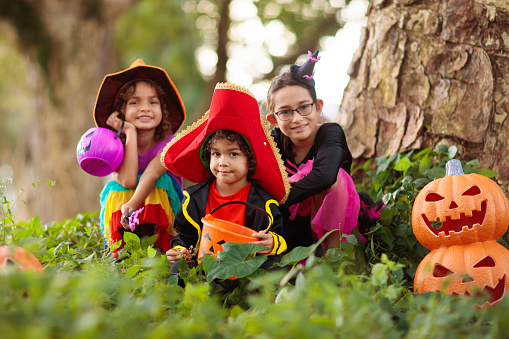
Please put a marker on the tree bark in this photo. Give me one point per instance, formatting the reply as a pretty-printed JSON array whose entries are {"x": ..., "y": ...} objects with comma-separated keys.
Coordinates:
[
  {"x": 76, "y": 54},
  {"x": 431, "y": 72}
]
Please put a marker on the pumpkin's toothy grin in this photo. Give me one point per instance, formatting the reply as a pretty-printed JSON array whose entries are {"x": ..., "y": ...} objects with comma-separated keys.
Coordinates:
[
  {"x": 496, "y": 293},
  {"x": 456, "y": 225}
]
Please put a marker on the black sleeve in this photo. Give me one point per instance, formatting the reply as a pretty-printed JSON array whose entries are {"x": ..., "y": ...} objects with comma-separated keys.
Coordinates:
[
  {"x": 331, "y": 153},
  {"x": 187, "y": 234}
]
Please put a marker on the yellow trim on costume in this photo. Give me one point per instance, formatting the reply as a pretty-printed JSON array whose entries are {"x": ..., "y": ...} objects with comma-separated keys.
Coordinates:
[
  {"x": 267, "y": 209},
  {"x": 277, "y": 154},
  {"x": 183, "y": 133},
  {"x": 178, "y": 248},
  {"x": 191, "y": 221},
  {"x": 279, "y": 244}
]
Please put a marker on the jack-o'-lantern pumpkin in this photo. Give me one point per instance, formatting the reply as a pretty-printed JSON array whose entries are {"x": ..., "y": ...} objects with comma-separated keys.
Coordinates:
[
  {"x": 19, "y": 258},
  {"x": 459, "y": 209},
  {"x": 480, "y": 268}
]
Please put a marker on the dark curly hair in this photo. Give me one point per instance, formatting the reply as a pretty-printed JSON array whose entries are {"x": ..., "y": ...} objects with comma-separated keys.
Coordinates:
[
  {"x": 164, "y": 128},
  {"x": 232, "y": 137}
]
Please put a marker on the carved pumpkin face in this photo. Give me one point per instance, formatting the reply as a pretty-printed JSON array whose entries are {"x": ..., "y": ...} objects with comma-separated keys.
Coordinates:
[
  {"x": 216, "y": 232},
  {"x": 478, "y": 268},
  {"x": 20, "y": 258},
  {"x": 459, "y": 209}
]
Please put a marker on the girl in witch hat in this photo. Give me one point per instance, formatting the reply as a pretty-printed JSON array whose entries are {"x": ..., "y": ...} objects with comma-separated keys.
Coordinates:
[
  {"x": 323, "y": 196},
  {"x": 145, "y": 105},
  {"x": 230, "y": 153}
]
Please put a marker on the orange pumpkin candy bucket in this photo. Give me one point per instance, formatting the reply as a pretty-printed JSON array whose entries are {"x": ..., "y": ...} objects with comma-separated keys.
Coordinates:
[{"x": 216, "y": 232}]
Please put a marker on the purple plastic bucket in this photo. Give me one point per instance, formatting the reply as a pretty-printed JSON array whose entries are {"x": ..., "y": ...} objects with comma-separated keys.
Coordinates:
[{"x": 99, "y": 151}]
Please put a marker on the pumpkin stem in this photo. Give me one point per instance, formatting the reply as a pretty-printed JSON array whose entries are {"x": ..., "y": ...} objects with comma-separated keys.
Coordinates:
[{"x": 453, "y": 167}]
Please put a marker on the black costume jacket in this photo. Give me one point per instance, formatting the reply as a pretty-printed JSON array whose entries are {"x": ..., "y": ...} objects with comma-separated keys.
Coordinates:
[
  {"x": 330, "y": 152},
  {"x": 188, "y": 223}
]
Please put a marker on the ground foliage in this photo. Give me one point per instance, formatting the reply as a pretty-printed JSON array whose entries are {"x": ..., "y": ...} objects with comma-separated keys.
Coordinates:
[{"x": 358, "y": 290}]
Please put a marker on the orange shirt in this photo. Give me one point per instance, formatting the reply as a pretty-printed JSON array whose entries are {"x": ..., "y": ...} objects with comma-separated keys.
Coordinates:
[{"x": 233, "y": 212}]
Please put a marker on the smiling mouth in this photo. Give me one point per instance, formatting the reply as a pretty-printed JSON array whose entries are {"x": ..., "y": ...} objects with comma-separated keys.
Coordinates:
[
  {"x": 456, "y": 225},
  {"x": 496, "y": 293}
]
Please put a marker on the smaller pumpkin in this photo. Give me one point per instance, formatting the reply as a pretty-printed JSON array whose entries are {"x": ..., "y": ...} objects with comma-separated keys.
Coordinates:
[
  {"x": 478, "y": 268},
  {"x": 20, "y": 258},
  {"x": 459, "y": 209}
]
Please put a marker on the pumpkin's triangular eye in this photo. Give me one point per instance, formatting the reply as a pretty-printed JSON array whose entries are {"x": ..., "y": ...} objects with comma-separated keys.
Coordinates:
[
  {"x": 440, "y": 271},
  {"x": 485, "y": 262},
  {"x": 474, "y": 190},
  {"x": 432, "y": 196}
]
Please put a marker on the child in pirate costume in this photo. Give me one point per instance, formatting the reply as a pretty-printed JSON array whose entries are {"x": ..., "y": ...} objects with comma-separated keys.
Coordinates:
[
  {"x": 230, "y": 153},
  {"x": 144, "y": 104}
]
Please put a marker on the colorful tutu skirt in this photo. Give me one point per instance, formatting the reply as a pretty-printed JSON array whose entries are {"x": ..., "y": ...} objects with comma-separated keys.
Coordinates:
[
  {"x": 159, "y": 208},
  {"x": 334, "y": 209}
]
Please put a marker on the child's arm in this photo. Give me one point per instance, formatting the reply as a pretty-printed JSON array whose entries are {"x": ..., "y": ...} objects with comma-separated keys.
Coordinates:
[
  {"x": 148, "y": 179},
  {"x": 127, "y": 174},
  {"x": 332, "y": 153}
]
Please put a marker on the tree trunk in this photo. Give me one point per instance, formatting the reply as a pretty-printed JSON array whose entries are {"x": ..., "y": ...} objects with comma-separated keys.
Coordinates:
[
  {"x": 429, "y": 72},
  {"x": 76, "y": 53}
]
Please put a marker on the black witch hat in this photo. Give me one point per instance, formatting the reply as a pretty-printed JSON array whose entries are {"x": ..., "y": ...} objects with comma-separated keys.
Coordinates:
[{"x": 304, "y": 73}]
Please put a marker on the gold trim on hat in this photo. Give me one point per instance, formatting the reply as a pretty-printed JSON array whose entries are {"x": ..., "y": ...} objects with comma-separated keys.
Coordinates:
[
  {"x": 227, "y": 85},
  {"x": 277, "y": 154}
]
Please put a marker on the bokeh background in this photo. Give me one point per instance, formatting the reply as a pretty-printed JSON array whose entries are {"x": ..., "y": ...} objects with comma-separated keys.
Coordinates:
[{"x": 55, "y": 53}]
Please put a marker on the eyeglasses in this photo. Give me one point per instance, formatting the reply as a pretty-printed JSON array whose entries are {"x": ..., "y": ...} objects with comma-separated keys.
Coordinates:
[{"x": 287, "y": 114}]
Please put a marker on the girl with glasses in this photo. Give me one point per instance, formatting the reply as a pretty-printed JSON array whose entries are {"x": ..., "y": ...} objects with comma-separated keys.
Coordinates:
[{"x": 316, "y": 155}]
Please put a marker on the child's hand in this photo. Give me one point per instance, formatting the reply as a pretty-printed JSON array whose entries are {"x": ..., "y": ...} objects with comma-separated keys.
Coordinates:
[
  {"x": 266, "y": 240},
  {"x": 126, "y": 212},
  {"x": 115, "y": 122},
  {"x": 174, "y": 255}
]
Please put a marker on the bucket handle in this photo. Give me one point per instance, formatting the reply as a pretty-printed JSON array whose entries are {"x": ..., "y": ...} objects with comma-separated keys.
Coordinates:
[
  {"x": 248, "y": 205},
  {"x": 120, "y": 130}
]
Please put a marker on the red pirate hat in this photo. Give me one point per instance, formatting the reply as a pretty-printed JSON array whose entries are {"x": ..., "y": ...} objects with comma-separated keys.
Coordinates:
[
  {"x": 233, "y": 108},
  {"x": 112, "y": 84}
]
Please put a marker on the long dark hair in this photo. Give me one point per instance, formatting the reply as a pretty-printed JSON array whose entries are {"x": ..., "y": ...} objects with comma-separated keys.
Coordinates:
[{"x": 283, "y": 80}]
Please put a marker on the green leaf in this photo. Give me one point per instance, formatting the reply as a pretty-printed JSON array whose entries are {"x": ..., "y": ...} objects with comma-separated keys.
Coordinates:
[
  {"x": 487, "y": 173},
  {"x": 452, "y": 151},
  {"x": 151, "y": 252},
  {"x": 132, "y": 271},
  {"x": 435, "y": 173},
  {"x": 443, "y": 148},
  {"x": 403, "y": 164},
  {"x": 235, "y": 261},
  {"x": 425, "y": 164},
  {"x": 300, "y": 253},
  {"x": 132, "y": 242}
]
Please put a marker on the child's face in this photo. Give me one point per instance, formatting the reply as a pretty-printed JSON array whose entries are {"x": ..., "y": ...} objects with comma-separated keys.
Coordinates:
[
  {"x": 298, "y": 128},
  {"x": 228, "y": 164},
  {"x": 143, "y": 108}
]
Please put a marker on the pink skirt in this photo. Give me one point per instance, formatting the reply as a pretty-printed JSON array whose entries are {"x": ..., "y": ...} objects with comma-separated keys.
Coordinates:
[{"x": 334, "y": 209}]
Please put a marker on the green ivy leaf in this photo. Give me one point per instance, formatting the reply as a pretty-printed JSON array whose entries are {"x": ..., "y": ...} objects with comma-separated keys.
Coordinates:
[{"x": 435, "y": 173}]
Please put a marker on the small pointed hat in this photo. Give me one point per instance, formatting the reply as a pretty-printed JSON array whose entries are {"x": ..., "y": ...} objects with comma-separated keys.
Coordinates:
[
  {"x": 232, "y": 108},
  {"x": 305, "y": 72},
  {"x": 112, "y": 83}
]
